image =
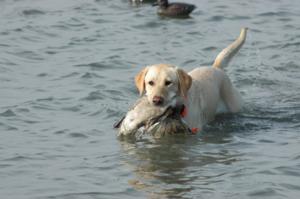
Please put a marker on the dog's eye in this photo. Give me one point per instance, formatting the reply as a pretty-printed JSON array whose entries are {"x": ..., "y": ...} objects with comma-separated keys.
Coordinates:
[
  {"x": 167, "y": 83},
  {"x": 151, "y": 83}
]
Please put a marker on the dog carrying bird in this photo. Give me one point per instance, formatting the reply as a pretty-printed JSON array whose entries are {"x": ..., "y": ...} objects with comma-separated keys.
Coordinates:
[{"x": 201, "y": 92}]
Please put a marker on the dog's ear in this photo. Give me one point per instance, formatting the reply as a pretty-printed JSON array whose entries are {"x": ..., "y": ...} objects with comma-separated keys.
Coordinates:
[
  {"x": 140, "y": 80},
  {"x": 184, "y": 82}
]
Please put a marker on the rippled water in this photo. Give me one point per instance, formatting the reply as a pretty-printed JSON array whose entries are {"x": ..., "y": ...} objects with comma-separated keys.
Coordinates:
[{"x": 66, "y": 75}]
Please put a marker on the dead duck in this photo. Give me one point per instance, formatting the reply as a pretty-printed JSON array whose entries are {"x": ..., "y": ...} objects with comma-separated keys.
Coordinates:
[
  {"x": 145, "y": 118},
  {"x": 173, "y": 9}
]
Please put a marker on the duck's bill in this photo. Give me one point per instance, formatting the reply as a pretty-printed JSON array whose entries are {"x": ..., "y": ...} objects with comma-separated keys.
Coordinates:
[{"x": 119, "y": 123}]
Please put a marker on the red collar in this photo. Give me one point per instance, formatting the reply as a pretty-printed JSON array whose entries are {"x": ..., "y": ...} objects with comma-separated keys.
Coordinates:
[
  {"x": 183, "y": 114},
  {"x": 183, "y": 111}
]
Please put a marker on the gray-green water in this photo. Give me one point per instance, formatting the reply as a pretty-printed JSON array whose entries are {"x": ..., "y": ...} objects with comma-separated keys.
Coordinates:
[{"x": 66, "y": 75}]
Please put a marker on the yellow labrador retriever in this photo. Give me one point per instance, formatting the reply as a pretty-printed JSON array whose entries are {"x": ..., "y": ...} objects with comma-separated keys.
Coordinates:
[{"x": 203, "y": 90}]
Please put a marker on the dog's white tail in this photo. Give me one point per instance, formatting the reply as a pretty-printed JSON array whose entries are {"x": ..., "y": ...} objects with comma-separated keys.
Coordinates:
[{"x": 226, "y": 54}]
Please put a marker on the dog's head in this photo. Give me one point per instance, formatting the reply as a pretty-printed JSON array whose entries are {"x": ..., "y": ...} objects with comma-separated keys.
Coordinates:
[{"x": 163, "y": 84}]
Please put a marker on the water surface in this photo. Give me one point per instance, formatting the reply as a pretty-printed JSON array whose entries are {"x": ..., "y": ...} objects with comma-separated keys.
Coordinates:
[{"x": 66, "y": 75}]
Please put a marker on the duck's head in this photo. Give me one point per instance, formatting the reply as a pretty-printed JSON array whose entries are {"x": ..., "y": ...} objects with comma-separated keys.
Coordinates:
[{"x": 161, "y": 3}]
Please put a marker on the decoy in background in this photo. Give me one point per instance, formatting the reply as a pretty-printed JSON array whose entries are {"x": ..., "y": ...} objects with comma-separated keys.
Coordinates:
[{"x": 173, "y": 9}]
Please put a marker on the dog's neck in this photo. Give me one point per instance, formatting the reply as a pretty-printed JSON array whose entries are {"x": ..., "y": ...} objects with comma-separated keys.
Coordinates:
[{"x": 179, "y": 101}]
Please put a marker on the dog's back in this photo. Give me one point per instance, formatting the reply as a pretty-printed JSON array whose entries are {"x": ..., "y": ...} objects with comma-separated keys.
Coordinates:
[{"x": 212, "y": 90}]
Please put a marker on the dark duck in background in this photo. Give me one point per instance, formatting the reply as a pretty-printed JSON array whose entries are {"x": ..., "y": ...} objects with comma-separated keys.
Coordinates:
[
  {"x": 173, "y": 9},
  {"x": 142, "y": 1}
]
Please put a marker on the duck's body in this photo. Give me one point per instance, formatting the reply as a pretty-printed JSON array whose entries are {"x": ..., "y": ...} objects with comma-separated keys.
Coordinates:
[
  {"x": 153, "y": 120},
  {"x": 174, "y": 9}
]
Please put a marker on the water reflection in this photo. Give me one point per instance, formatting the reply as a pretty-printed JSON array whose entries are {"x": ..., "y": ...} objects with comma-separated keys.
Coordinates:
[{"x": 174, "y": 166}]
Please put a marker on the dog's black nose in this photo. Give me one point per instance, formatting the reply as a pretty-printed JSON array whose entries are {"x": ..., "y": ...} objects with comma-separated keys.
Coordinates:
[{"x": 157, "y": 100}]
